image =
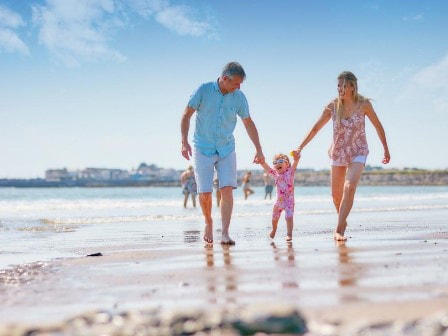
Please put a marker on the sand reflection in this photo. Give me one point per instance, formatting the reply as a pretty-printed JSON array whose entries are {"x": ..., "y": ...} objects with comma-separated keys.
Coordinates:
[
  {"x": 221, "y": 279},
  {"x": 285, "y": 259},
  {"x": 349, "y": 272}
]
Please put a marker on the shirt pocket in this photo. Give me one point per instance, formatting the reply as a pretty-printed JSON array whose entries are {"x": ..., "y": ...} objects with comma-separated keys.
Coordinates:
[{"x": 229, "y": 117}]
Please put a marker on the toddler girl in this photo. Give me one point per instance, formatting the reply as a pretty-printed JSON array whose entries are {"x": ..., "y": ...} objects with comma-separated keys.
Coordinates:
[{"x": 283, "y": 174}]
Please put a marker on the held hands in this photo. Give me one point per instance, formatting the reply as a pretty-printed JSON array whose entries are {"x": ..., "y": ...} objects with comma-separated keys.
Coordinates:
[
  {"x": 296, "y": 154},
  {"x": 186, "y": 150},
  {"x": 259, "y": 157}
]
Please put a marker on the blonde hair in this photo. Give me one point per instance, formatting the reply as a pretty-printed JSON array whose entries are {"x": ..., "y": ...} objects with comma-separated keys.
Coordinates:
[
  {"x": 281, "y": 156},
  {"x": 348, "y": 78}
]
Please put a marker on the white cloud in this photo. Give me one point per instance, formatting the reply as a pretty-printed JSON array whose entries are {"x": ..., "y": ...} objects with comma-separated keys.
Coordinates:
[
  {"x": 417, "y": 17},
  {"x": 430, "y": 84},
  {"x": 9, "y": 39},
  {"x": 77, "y": 30},
  {"x": 177, "y": 19},
  {"x": 10, "y": 42}
]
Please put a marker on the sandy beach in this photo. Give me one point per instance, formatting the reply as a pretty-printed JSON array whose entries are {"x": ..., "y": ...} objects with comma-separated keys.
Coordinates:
[{"x": 390, "y": 278}]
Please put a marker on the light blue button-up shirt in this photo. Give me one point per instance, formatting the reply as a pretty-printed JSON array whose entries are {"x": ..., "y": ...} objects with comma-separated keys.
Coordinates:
[{"x": 216, "y": 118}]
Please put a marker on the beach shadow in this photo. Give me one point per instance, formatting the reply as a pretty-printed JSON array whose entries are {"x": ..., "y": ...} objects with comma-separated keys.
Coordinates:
[
  {"x": 349, "y": 272},
  {"x": 221, "y": 279},
  {"x": 286, "y": 261}
]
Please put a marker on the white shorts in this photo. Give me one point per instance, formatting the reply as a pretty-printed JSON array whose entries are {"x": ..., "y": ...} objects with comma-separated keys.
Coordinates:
[
  {"x": 360, "y": 158},
  {"x": 204, "y": 167}
]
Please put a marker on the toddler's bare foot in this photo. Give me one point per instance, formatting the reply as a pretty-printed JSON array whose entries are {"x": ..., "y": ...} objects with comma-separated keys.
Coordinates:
[
  {"x": 338, "y": 237},
  {"x": 272, "y": 234},
  {"x": 226, "y": 240},
  {"x": 208, "y": 233},
  {"x": 288, "y": 238}
]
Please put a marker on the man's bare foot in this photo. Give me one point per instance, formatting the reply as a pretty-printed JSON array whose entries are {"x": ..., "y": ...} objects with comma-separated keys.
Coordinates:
[
  {"x": 288, "y": 238},
  {"x": 226, "y": 240},
  {"x": 208, "y": 233},
  {"x": 338, "y": 237}
]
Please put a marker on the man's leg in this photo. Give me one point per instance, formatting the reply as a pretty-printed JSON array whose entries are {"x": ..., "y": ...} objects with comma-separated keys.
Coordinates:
[
  {"x": 204, "y": 167},
  {"x": 205, "y": 200},
  {"x": 226, "y": 213},
  {"x": 226, "y": 168},
  {"x": 354, "y": 172}
]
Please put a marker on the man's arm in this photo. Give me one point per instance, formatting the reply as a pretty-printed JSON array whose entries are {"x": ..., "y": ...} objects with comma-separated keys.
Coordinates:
[
  {"x": 184, "y": 128},
  {"x": 253, "y": 135}
]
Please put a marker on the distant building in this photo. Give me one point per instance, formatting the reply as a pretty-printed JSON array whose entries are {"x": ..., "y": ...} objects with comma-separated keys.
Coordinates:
[
  {"x": 151, "y": 172},
  {"x": 103, "y": 174},
  {"x": 60, "y": 175}
]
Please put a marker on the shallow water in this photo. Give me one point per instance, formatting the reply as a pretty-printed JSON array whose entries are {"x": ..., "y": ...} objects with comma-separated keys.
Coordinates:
[
  {"x": 154, "y": 255},
  {"x": 43, "y": 224}
]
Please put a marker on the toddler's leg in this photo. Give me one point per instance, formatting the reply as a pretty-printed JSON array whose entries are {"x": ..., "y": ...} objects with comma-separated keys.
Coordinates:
[
  {"x": 289, "y": 227},
  {"x": 274, "y": 228},
  {"x": 276, "y": 212},
  {"x": 289, "y": 215}
]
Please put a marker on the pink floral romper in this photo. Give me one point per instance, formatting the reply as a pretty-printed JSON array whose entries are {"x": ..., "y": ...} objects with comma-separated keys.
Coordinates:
[
  {"x": 349, "y": 137},
  {"x": 285, "y": 193}
]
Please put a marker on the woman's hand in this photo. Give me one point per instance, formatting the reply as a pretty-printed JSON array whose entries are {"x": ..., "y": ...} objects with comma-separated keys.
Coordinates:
[{"x": 386, "y": 156}]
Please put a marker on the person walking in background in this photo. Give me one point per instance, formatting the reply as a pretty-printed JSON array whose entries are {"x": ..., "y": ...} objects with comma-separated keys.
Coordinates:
[
  {"x": 217, "y": 105},
  {"x": 349, "y": 150},
  {"x": 268, "y": 185},
  {"x": 283, "y": 173},
  {"x": 189, "y": 186},
  {"x": 246, "y": 185},
  {"x": 218, "y": 192}
]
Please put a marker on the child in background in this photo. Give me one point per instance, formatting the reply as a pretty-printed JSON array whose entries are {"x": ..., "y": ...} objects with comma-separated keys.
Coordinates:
[{"x": 283, "y": 173}]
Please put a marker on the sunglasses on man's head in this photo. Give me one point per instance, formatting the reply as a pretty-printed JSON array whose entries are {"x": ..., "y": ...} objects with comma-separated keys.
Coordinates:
[{"x": 278, "y": 161}]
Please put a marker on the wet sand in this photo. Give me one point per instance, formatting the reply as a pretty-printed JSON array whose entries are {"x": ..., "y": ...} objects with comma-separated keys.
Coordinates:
[{"x": 337, "y": 288}]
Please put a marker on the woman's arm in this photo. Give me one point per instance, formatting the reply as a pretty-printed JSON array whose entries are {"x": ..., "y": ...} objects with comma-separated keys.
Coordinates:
[
  {"x": 370, "y": 112},
  {"x": 323, "y": 119}
]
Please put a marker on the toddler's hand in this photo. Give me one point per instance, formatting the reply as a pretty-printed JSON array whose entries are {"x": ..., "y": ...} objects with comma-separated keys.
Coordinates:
[{"x": 295, "y": 154}]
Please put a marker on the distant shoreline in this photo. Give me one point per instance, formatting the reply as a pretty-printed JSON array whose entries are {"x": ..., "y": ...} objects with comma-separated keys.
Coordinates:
[{"x": 303, "y": 178}]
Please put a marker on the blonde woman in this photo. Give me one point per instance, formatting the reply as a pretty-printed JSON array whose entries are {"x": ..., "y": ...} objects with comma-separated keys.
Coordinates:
[{"x": 349, "y": 150}]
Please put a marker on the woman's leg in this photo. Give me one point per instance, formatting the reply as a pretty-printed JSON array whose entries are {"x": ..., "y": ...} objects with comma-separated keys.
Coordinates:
[
  {"x": 337, "y": 189},
  {"x": 354, "y": 172}
]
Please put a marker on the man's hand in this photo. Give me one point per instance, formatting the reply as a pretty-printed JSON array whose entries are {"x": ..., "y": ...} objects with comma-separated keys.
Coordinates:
[
  {"x": 259, "y": 157},
  {"x": 186, "y": 150}
]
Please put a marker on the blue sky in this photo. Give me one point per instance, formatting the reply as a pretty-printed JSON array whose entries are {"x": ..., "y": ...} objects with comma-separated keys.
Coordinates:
[{"x": 103, "y": 83}]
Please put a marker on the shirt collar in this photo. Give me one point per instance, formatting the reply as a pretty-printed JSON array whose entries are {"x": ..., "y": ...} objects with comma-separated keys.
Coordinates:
[{"x": 216, "y": 85}]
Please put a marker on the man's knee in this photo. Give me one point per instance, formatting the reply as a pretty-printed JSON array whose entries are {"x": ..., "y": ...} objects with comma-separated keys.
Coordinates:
[{"x": 205, "y": 196}]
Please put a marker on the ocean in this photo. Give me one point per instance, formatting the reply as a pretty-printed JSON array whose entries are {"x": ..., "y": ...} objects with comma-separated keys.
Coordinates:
[{"x": 51, "y": 223}]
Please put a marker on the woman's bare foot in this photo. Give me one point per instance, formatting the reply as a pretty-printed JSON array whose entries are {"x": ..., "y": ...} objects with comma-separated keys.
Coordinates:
[
  {"x": 338, "y": 237},
  {"x": 289, "y": 238},
  {"x": 226, "y": 240},
  {"x": 208, "y": 233}
]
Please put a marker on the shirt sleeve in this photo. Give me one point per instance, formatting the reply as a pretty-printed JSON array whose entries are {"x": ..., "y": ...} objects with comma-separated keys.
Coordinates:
[
  {"x": 196, "y": 98},
  {"x": 243, "y": 110},
  {"x": 272, "y": 172}
]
